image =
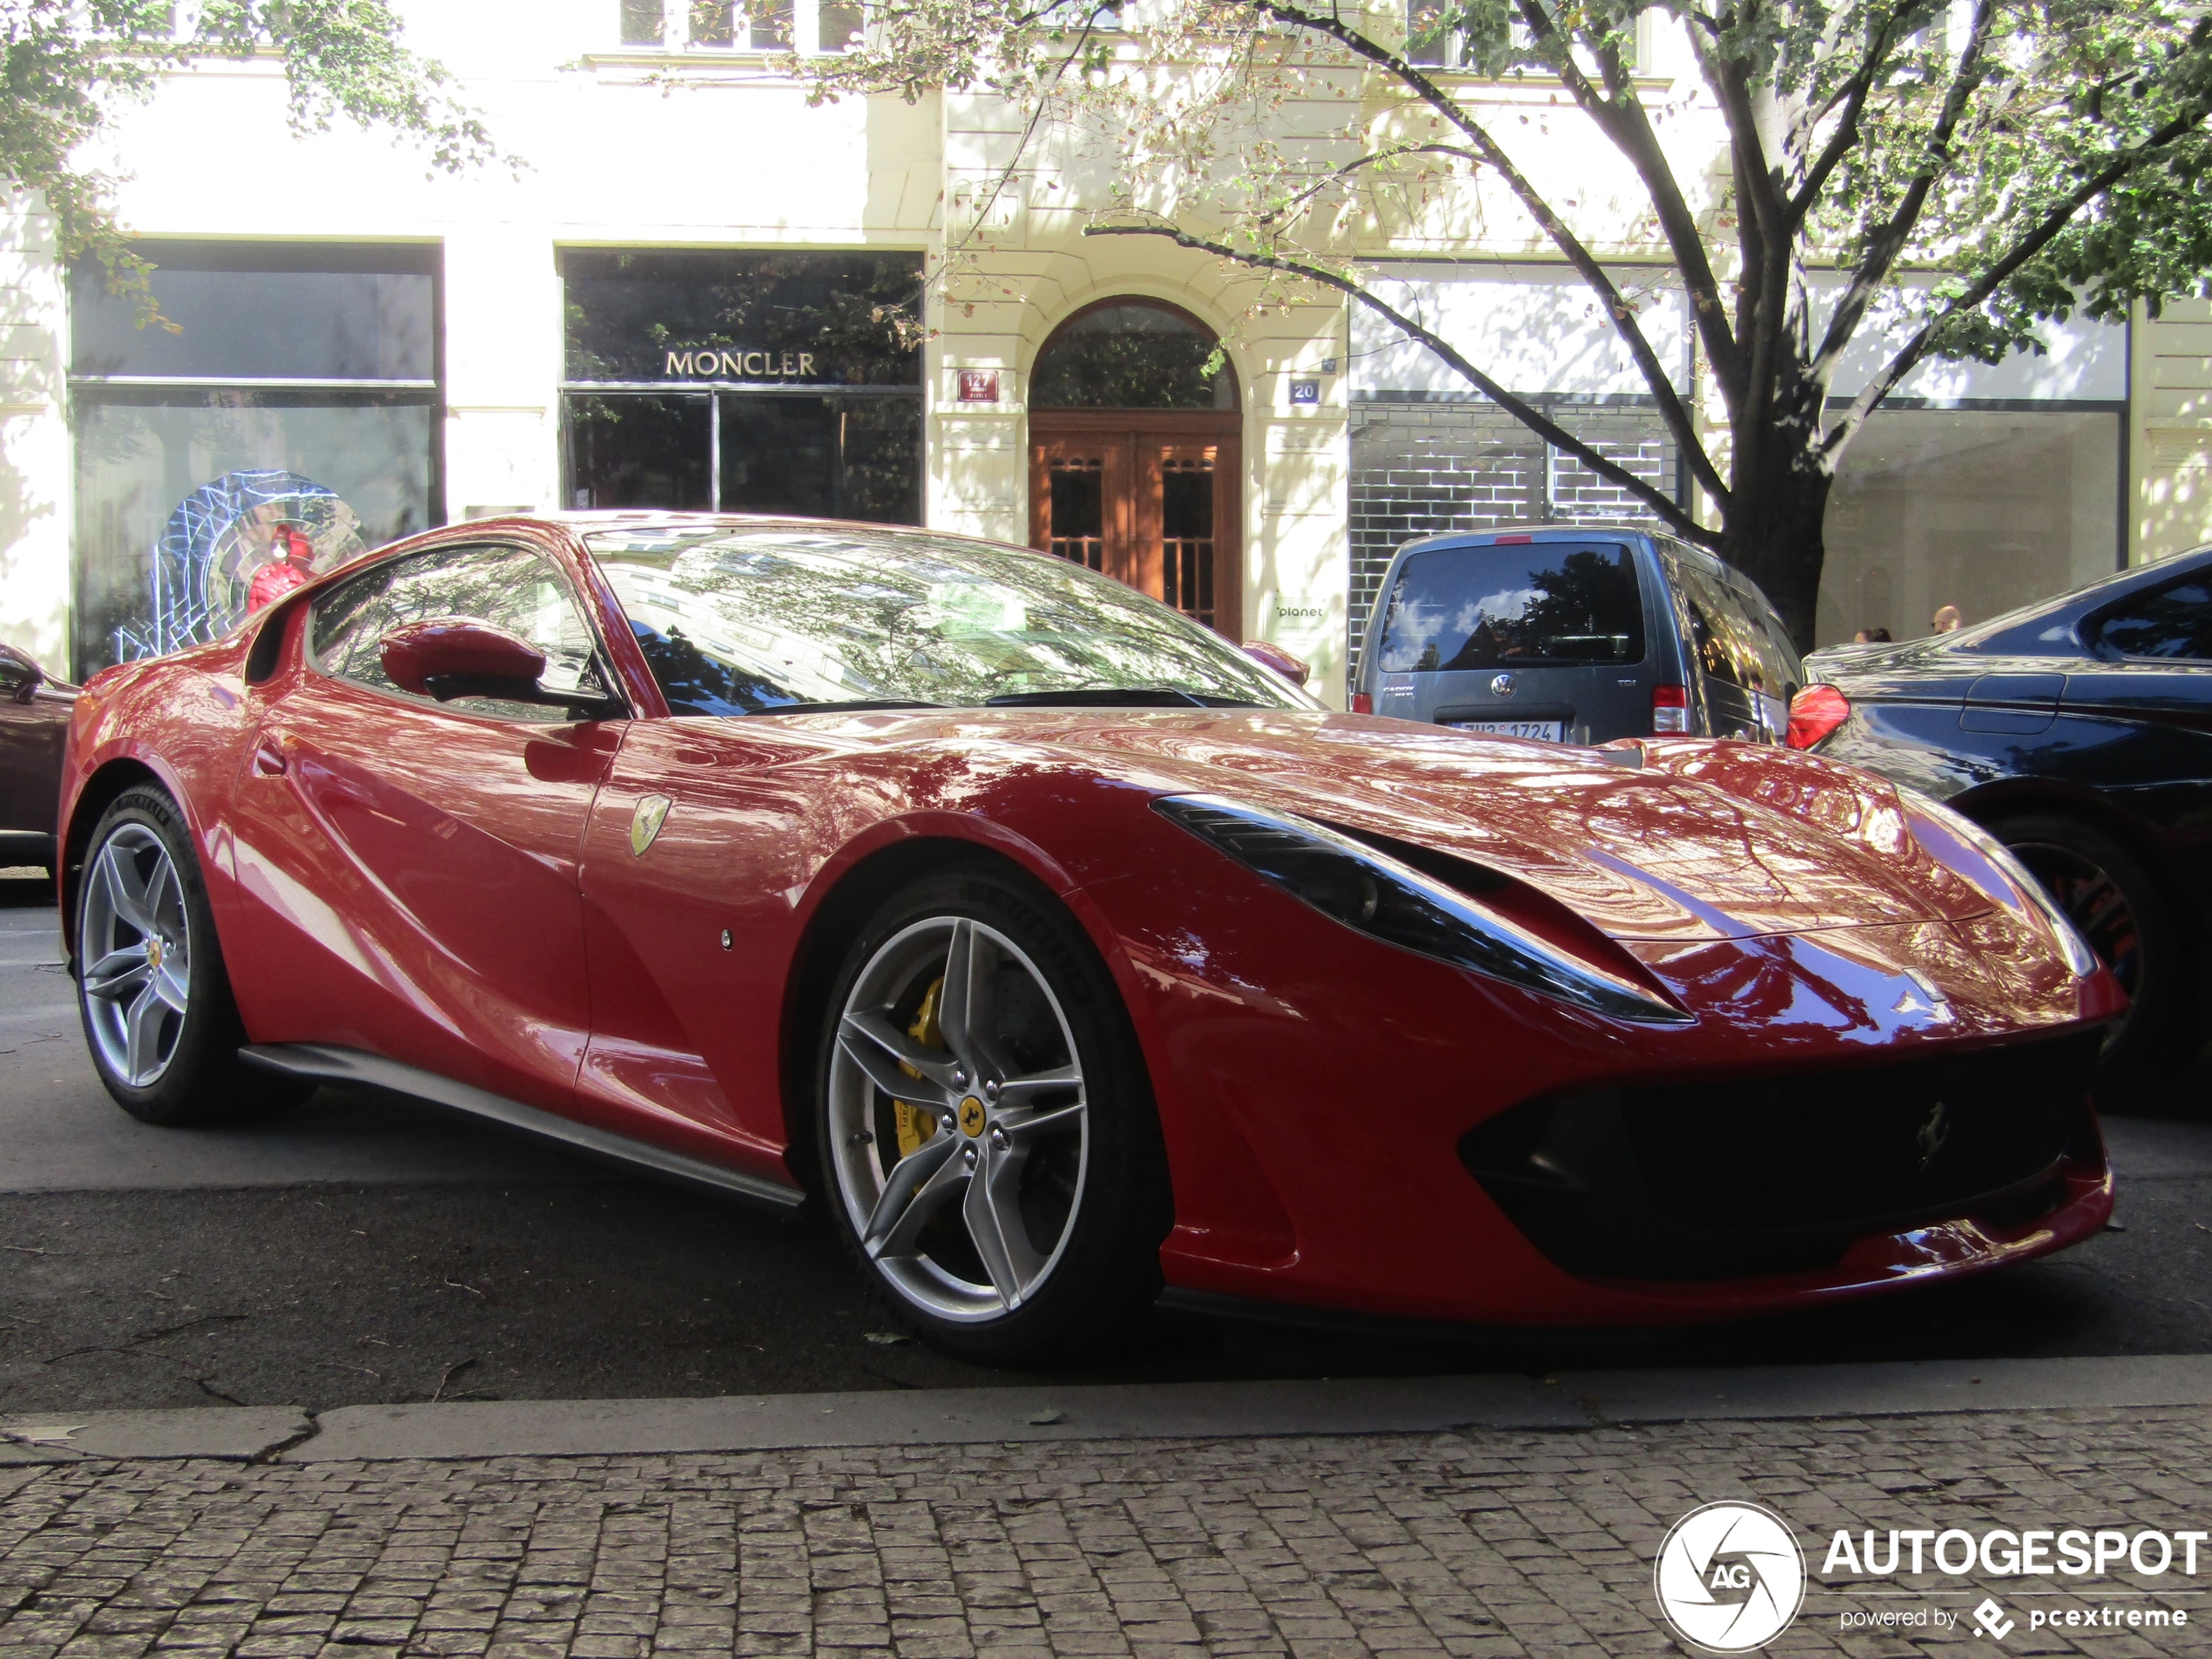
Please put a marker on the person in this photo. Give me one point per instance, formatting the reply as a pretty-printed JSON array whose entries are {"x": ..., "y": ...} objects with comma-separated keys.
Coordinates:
[
  {"x": 1872, "y": 637},
  {"x": 1947, "y": 620}
]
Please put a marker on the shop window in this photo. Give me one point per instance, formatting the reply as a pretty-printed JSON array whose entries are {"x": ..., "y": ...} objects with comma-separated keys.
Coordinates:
[
  {"x": 1129, "y": 354},
  {"x": 745, "y": 382},
  {"x": 1986, "y": 509},
  {"x": 287, "y": 424},
  {"x": 644, "y": 23}
]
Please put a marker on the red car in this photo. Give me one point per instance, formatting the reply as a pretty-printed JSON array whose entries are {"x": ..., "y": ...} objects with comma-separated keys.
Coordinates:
[{"x": 1062, "y": 950}]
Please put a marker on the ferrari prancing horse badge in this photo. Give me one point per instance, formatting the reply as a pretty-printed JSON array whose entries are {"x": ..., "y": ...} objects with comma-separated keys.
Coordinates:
[{"x": 645, "y": 822}]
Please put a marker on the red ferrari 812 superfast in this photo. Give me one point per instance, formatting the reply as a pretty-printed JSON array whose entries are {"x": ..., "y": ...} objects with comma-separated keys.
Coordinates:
[{"x": 1063, "y": 953}]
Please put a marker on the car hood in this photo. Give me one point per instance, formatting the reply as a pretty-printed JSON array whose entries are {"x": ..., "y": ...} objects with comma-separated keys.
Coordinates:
[{"x": 1679, "y": 841}]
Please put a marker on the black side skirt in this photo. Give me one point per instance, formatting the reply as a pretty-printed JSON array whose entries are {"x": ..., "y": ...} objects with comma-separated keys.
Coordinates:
[{"x": 354, "y": 1067}]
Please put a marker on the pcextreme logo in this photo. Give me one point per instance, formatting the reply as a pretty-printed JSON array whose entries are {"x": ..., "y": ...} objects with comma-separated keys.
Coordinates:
[{"x": 1730, "y": 1577}]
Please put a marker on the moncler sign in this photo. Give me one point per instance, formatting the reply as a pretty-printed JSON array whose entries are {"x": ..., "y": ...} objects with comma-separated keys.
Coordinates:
[{"x": 715, "y": 363}]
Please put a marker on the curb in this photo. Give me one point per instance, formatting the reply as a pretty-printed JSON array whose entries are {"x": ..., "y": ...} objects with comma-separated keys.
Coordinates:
[
  {"x": 234, "y": 1434},
  {"x": 1569, "y": 1401}
]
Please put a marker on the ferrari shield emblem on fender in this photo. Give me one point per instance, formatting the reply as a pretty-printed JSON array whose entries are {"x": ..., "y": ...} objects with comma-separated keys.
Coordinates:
[{"x": 645, "y": 822}]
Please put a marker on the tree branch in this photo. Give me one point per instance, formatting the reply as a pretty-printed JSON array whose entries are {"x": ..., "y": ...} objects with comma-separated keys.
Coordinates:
[
  {"x": 1992, "y": 280},
  {"x": 1845, "y": 139},
  {"x": 1881, "y": 253},
  {"x": 1527, "y": 414},
  {"x": 1374, "y": 158},
  {"x": 1593, "y": 275},
  {"x": 1623, "y": 119}
]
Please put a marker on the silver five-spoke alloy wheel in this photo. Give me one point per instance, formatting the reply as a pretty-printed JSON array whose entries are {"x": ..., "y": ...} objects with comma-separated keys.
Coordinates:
[
  {"x": 135, "y": 945},
  {"x": 960, "y": 1124}
]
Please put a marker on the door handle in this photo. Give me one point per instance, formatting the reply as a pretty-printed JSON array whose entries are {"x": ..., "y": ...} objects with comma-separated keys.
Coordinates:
[{"x": 269, "y": 761}]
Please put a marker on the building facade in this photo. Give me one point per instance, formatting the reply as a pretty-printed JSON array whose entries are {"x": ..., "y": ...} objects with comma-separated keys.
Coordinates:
[{"x": 695, "y": 291}]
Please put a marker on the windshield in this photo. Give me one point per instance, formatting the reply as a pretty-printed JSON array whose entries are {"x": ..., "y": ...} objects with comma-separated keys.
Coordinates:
[{"x": 749, "y": 620}]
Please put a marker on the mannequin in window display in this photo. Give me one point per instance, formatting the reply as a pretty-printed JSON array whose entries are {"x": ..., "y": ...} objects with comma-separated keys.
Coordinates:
[{"x": 291, "y": 566}]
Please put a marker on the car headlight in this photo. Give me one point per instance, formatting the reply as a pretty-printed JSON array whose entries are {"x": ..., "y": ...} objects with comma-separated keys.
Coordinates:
[
  {"x": 1377, "y": 896},
  {"x": 2083, "y": 961}
]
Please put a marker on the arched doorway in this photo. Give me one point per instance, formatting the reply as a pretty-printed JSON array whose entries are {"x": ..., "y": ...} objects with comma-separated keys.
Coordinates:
[{"x": 1133, "y": 456}]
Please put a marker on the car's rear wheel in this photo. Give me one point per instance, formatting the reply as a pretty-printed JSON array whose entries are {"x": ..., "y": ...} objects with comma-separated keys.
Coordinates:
[
  {"x": 151, "y": 986},
  {"x": 2123, "y": 910},
  {"x": 988, "y": 1143}
]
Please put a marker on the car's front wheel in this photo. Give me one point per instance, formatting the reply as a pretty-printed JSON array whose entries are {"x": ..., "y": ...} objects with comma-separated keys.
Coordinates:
[
  {"x": 151, "y": 986},
  {"x": 988, "y": 1143},
  {"x": 2124, "y": 912}
]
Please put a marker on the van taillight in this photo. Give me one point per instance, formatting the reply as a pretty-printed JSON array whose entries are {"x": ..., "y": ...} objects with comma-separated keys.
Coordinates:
[
  {"x": 1814, "y": 713},
  {"x": 1669, "y": 708},
  {"x": 1362, "y": 703}
]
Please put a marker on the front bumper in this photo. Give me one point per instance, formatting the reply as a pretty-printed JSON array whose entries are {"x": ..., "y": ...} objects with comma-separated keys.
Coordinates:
[{"x": 1315, "y": 1088}]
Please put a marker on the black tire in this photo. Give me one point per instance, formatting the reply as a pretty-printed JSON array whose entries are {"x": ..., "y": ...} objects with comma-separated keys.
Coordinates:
[
  {"x": 1096, "y": 1290},
  {"x": 2135, "y": 926},
  {"x": 200, "y": 1077}
]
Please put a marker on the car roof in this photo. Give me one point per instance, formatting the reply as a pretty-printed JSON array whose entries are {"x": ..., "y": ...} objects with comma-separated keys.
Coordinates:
[
  {"x": 1659, "y": 539},
  {"x": 1576, "y": 530}
]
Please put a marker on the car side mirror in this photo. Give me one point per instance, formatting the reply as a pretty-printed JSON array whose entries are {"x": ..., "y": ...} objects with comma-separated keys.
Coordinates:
[
  {"x": 1293, "y": 669},
  {"x": 20, "y": 677},
  {"x": 450, "y": 657}
]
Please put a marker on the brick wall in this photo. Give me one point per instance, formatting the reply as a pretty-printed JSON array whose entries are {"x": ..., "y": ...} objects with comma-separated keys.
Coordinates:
[{"x": 1421, "y": 468}]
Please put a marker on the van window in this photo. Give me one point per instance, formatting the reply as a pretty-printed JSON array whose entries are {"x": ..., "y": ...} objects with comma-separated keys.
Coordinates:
[
  {"x": 1520, "y": 605},
  {"x": 1732, "y": 645},
  {"x": 1785, "y": 671}
]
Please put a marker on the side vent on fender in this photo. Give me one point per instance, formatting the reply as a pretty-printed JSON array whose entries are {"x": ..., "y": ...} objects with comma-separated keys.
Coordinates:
[{"x": 268, "y": 645}]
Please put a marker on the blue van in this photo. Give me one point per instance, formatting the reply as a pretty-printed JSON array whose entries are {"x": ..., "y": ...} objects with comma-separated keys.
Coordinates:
[{"x": 1576, "y": 633}]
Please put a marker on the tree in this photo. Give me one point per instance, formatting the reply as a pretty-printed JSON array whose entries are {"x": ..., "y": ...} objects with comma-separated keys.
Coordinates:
[
  {"x": 68, "y": 63},
  {"x": 1970, "y": 168}
]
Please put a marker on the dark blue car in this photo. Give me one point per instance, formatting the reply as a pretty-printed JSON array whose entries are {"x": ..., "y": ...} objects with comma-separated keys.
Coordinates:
[{"x": 2078, "y": 731}]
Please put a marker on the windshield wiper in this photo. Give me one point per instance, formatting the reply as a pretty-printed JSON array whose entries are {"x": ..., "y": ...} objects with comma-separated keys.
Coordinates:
[
  {"x": 858, "y": 705},
  {"x": 1103, "y": 697}
]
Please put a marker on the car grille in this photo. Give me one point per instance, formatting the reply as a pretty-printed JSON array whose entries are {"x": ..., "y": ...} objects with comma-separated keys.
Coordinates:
[{"x": 1735, "y": 1178}]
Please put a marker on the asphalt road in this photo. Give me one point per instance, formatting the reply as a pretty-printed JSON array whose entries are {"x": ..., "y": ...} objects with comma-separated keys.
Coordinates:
[{"x": 359, "y": 1252}]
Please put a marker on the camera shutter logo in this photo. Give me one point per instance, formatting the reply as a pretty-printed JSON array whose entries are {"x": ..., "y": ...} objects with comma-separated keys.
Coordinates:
[{"x": 1730, "y": 1577}]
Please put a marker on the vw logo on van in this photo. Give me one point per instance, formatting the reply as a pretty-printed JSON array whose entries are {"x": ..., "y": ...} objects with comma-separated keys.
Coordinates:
[{"x": 1502, "y": 685}]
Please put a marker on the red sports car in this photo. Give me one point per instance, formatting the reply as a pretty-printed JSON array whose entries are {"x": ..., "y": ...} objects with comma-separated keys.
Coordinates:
[{"x": 1063, "y": 951}]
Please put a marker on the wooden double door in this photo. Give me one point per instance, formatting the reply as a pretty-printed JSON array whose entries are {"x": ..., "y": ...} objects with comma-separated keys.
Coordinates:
[{"x": 1149, "y": 497}]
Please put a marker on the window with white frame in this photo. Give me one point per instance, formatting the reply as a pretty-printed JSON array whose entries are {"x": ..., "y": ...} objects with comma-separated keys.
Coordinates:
[{"x": 811, "y": 26}]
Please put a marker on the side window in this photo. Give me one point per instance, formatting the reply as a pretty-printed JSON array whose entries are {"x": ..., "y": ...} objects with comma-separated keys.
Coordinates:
[
  {"x": 1779, "y": 663},
  {"x": 1724, "y": 638},
  {"x": 509, "y": 588},
  {"x": 2174, "y": 621}
]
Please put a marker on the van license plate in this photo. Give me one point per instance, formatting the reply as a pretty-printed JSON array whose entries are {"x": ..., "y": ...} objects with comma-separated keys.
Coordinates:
[{"x": 1549, "y": 731}]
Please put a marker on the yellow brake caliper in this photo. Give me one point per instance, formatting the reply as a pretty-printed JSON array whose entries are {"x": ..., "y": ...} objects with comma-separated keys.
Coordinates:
[{"x": 916, "y": 1123}]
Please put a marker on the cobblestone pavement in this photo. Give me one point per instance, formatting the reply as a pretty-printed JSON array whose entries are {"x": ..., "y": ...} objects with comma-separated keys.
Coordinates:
[{"x": 1474, "y": 1544}]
